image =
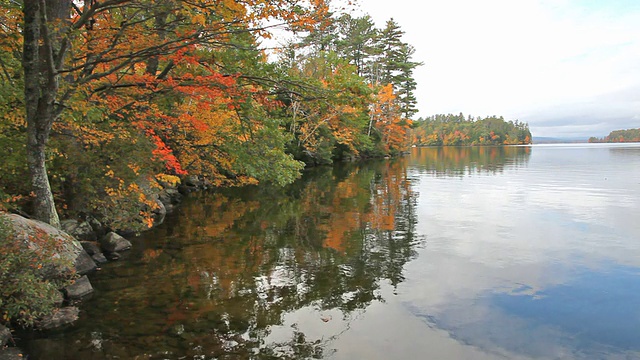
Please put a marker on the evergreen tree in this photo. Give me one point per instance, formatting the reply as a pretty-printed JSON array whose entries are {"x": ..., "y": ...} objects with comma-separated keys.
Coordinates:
[
  {"x": 396, "y": 66},
  {"x": 357, "y": 41}
]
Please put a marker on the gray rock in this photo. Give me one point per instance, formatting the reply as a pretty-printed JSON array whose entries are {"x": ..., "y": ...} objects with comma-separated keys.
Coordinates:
[
  {"x": 113, "y": 242},
  {"x": 170, "y": 196},
  {"x": 84, "y": 263},
  {"x": 193, "y": 180},
  {"x": 5, "y": 335},
  {"x": 32, "y": 234},
  {"x": 185, "y": 189},
  {"x": 97, "y": 227},
  {"x": 113, "y": 256},
  {"x": 159, "y": 213},
  {"x": 81, "y": 287},
  {"x": 79, "y": 230},
  {"x": 11, "y": 353},
  {"x": 59, "y": 317},
  {"x": 99, "y": 258},
  {"x": 91, "y": 247}
]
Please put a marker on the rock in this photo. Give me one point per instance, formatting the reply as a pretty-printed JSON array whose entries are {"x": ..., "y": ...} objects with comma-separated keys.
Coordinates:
[
  {"x": 91, "y": 247},
  {"x": 170, "y": 196},
  {"x": 84, "y": 263},
  {"x": 5, "y": 335},
  {"x": 11, "y": 353},
  {"x": 59, "y": 317},
  {"x": 32, "y": 235},
  {"x": 81, "y": 287},
  {"x": 113, "y": 256},
  {"x": 79, "y": 230},
  {"x": 99, "y": 258},
  {"x": 159, "y": 213},
  {"x": 185, "y": 189},
  {"x": 193, "y": 180},
  {"x": 97, "y": 227},
  {"x": 113, "y": 242}
]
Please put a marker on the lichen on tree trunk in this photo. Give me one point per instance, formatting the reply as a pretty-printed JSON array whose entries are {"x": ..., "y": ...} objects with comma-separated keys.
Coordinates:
[{"x": 41, "y": 88}]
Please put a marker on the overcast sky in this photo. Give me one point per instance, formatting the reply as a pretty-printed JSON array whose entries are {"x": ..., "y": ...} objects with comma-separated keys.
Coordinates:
[{"x": 570, "y": 68}]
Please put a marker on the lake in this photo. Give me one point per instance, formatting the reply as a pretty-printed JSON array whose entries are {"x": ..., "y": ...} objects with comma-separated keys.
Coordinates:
[{"x": 526, "y": 252}]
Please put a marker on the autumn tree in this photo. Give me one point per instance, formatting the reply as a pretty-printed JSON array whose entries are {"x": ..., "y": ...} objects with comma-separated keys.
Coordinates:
[{"x": 78, "y": 53}]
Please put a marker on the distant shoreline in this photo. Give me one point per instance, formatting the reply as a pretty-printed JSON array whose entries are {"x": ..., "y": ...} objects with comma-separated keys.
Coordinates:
[{"x": 552, "y": 140}]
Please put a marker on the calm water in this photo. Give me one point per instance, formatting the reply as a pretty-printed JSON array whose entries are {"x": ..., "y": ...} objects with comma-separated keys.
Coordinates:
[{"x": 449, "y": 253}]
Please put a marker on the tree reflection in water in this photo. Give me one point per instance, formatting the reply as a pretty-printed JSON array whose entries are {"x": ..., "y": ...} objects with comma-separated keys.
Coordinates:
[{"x": 220, "y": 275}]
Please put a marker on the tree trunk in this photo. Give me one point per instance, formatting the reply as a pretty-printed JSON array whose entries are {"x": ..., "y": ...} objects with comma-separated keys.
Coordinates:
[{"x": 41, "y": 88}]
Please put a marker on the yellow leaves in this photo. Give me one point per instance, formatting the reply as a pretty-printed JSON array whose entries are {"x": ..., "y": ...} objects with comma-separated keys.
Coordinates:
[
  {"x": 199, "y": 19},
  {"x": 171, "y": 180}
]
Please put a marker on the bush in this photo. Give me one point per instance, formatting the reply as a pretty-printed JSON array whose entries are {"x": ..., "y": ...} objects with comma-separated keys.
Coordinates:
[{"x": 26, "y": 292}]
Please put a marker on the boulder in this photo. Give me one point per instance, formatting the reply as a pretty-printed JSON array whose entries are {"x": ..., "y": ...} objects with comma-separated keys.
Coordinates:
[
  {"x": 80, "y": 288},
  {"x": 59, "y": 317},
  {"x": 159, "y": 212},
  {"x": 193, "y": 180},
  {"x": 79, "y": 230},
  {"x": 31, "y": 234},
  {"x": 97, "y": 227},
  {"x": 84, "y": 264},
  {"x": 170, "y": 197},
  {"x": 113, "y": 242},
  {"x": 5, "y": 335},
  {"x": 99, "y": 258},
  {"x": 91, "y": 247}
]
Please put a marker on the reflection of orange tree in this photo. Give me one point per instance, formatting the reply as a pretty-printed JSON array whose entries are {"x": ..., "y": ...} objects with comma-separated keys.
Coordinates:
[{"x": 234, "y": 265}]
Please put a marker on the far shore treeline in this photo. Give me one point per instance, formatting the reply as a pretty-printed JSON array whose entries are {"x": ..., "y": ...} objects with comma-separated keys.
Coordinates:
[
  {"x": 618, "y": 136},
  {"x": 447, "y": 130}
]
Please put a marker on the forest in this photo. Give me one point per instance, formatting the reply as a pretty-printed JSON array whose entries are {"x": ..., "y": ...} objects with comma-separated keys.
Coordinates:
[
  {"x": 444, "y": 130},
  {"x": 101, "y": 100},
  {"x": 618, "y": 136}
]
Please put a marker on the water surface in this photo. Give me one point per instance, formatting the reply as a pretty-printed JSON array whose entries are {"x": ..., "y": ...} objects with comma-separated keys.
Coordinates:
[{"x": 448, "y": 253}]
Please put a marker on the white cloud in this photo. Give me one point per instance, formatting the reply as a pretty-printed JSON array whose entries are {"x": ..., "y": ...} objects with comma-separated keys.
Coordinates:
[{"x": 536, "y": 61}]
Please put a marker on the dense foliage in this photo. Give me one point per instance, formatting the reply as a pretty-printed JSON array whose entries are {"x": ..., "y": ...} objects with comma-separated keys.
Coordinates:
[
  {"x": 619, "y": 136},
  {"x": 101, "y": 98},
  {"x": 460, "y": 130}
]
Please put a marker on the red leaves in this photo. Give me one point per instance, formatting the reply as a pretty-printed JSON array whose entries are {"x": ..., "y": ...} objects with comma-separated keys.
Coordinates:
[{"x": 164, "y": 153}]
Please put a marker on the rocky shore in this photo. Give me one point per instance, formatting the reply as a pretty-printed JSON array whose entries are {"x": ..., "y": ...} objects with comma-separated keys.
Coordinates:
[{"x": 87, "y": 244}]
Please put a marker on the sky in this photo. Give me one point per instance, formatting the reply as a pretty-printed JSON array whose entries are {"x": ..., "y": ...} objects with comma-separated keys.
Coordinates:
[{"x": 570, "y": 68}]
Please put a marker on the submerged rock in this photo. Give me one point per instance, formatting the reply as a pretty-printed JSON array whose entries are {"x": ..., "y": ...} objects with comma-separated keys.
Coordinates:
[{"x": 59, "y": 317}]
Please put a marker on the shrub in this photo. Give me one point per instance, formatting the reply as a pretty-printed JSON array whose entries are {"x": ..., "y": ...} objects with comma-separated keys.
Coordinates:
[{"x": 26, "y": 292}]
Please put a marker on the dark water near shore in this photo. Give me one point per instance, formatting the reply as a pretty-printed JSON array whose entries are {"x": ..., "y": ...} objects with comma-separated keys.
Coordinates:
[{"x": 448, "y": 253}]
